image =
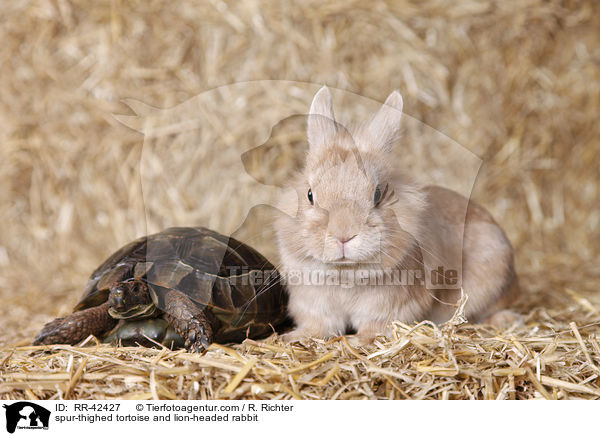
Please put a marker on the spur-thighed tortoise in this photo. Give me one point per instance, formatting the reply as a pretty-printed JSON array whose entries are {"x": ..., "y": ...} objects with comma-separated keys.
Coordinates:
[{"x": 207, "y": 286}]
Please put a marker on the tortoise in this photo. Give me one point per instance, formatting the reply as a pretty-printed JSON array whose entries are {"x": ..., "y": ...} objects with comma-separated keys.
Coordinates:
[{"x": 207, "y": 287}]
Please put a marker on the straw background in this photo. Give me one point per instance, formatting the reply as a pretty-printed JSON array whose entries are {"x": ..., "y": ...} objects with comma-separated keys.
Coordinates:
[{"x": 515, "y": 82}]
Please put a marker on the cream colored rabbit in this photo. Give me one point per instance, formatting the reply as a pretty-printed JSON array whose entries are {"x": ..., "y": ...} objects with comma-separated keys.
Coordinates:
[{"x": 362, "y": 245}]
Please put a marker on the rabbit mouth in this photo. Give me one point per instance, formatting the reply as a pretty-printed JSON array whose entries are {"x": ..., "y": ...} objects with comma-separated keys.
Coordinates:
[{"x": 344, "y": 260}]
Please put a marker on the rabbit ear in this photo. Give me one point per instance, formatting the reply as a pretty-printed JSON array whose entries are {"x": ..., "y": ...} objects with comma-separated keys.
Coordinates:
[
  {"x": 321, "y": 121},
  {"x": 386, "y": 123}
]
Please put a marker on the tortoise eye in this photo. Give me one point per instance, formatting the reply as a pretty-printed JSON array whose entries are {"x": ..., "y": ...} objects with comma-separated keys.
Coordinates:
[{"x": 310, "y": 196}]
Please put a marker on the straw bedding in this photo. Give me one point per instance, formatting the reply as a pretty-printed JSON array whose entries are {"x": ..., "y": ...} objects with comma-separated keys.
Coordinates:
[{"x": 515, "y": 83}]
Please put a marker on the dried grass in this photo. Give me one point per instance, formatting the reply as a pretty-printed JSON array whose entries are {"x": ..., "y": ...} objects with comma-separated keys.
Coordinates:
[
  {"x": 517, "y": 83},
  {"x": 420, "y": 362}
]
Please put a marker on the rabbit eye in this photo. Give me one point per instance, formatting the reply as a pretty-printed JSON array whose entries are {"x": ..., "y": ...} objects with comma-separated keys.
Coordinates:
[
  {"x": 310, "y": 196},
  {"x": 379, "y": 194}
]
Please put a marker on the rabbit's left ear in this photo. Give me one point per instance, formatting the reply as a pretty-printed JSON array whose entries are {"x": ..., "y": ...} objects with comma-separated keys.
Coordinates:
[{"x": 386, "y": 123}]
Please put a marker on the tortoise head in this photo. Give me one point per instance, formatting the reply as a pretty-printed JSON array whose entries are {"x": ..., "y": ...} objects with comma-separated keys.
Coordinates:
[{"x": 130, "y": 299}]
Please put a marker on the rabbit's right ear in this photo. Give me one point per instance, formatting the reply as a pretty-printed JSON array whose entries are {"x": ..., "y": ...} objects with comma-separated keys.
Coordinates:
[
  {"x": 321, "y": 121},
  {"x": 385, "y": 125}
]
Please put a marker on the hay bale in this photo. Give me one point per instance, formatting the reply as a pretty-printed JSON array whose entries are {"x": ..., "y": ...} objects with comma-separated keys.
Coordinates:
[{"x": 516, "y": 83}]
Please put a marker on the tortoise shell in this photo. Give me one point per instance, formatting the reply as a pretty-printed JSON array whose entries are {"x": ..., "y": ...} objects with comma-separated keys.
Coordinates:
[{"x": 235, "y": 282}]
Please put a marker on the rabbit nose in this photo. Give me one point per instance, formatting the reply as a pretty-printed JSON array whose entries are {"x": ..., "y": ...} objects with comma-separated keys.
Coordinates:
[{"x": 344, "y": 239}]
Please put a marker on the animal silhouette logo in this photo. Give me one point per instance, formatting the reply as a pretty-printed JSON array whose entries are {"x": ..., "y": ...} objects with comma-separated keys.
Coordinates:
[
  {"x": 26, "y": 415},
  {"x": 251, "y": 163}
]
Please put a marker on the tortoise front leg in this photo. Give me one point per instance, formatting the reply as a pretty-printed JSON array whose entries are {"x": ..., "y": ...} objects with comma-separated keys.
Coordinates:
[
  {"x": 194, "y": 324},
  {"x": 77, "y": 326}
]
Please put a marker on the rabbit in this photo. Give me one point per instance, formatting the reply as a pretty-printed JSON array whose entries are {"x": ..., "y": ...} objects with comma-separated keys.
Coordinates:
[{"x": 357, "y": 217}]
